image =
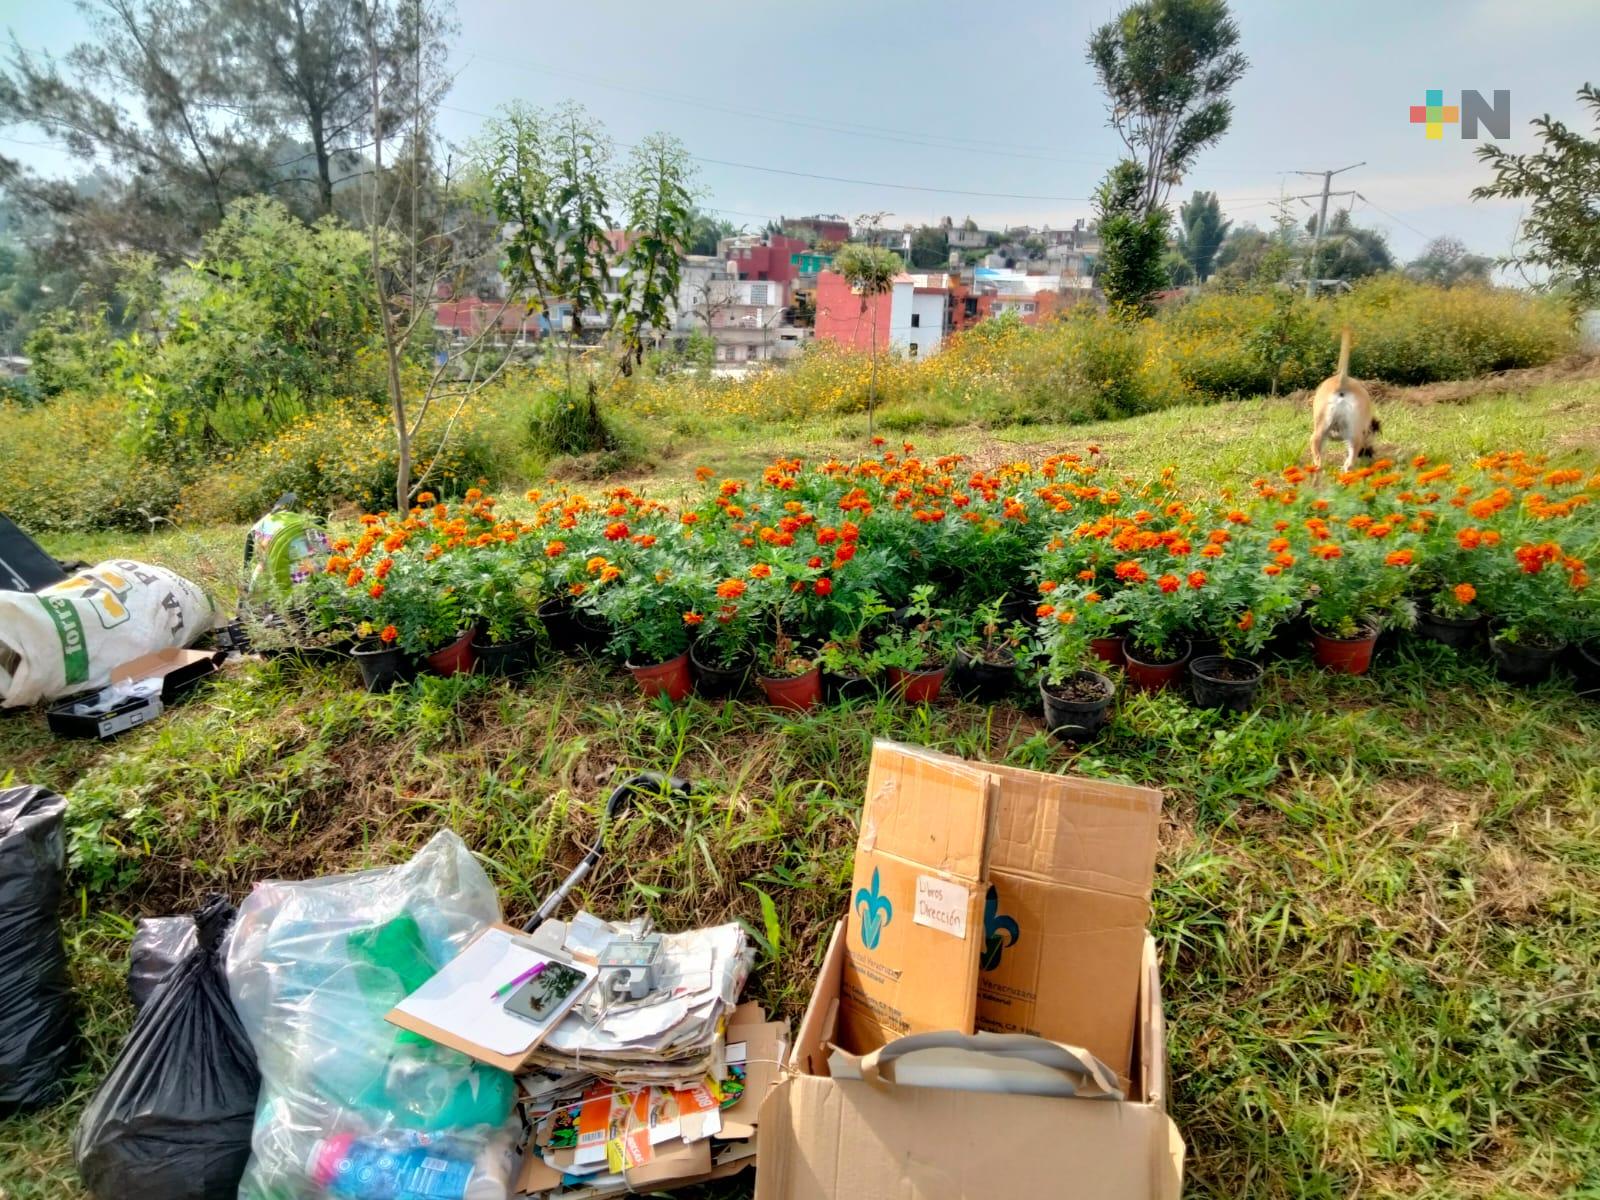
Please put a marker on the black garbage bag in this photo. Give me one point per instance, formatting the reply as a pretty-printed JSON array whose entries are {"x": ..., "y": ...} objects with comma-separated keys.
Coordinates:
[
  {"x": 37, "y": 1023},
  {"x": 172, "y": 1120},
  {"x": 159, "y": 945}
]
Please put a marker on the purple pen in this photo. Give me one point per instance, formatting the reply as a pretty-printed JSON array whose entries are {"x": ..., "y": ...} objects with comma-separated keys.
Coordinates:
[{"x": 519, "y": 980}]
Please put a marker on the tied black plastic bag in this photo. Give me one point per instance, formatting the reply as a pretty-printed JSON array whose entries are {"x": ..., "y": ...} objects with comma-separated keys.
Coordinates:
[
  {"x": 36, "y": 1013},
  {"x": 159, "y": 945},
  {"x": 172, "y": 1120}
]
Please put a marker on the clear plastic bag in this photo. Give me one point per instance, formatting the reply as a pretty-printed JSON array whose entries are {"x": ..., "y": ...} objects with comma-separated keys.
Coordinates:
[{"x": 352, "y": 1106}]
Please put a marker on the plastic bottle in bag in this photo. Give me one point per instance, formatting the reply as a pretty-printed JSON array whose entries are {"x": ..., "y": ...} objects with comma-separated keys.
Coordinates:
[
  {"x": 172, "y": 1120},
  {"x": 37, "y": 1023},
  {"x": 405, "y": 1166}
]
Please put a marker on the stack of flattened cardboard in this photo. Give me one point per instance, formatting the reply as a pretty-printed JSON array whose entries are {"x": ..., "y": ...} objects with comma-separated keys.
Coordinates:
[
  {"x": 590, "y": 1138},
  {"x": 984, "y": 898}
]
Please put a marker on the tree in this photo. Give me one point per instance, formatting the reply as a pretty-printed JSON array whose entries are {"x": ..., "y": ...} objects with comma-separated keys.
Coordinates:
[
  {"x": 871, "y": 272},
  {"x": 1445, "y": 261},
  {"x": 1201, "y": 230},
  {"x": 660, "y": 219},
  {"x": 1166, "y": 67},
  {"x": 1348, "y": 251},
  {"x": 1133, "y": 241},
  {"x": 1561, "y": 235},
  {"x": 930, "y": 248},
  {"x": 708, "y": 231},
  {"x": 1239, "y": 257}
]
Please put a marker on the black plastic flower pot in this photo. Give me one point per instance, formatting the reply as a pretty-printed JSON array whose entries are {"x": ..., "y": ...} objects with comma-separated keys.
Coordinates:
[
  {"x": 979, "y": 679},
  {"x": 1522, "y": 661},
  {"x": 840, "y": 689},
  {"x": 384, "y": 667},
  {"x": 1289, "y": 639},
  {"x": 1229, "y": 684},
  {"x": 572, "y": 630},
  {"x": 715, "y": 681},
  {"x": 1585, "y": 663},
  {"x": 1456, "y": 632},
  {"x": 1080, "y": 709},
  {"x": 508, "y": 659}
]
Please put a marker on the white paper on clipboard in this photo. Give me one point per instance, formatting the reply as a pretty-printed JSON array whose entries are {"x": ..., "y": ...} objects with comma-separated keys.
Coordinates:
[{"x": 460, "y": 999}]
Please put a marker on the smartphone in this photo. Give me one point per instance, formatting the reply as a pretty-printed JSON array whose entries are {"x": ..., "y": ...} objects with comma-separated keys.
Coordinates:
[{"x": 544, "y": 994}]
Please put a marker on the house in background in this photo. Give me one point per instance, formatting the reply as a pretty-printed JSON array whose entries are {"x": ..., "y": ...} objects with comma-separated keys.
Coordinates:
[
  {"x": 830, "y": 228},
  {"x": 913, "y": 317},
  {"x": 765, "y": 258}
]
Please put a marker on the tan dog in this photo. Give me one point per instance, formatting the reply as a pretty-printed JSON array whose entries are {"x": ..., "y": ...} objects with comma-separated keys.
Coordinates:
[{"x": 1342, "y": 408}]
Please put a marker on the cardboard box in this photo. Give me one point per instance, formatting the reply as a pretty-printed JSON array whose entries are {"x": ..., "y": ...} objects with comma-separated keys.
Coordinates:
[
  {"x": 915, "y": 928},
  {"x": 839, "y": 1139},
  {"x": 180, "y": 672},
  {"x": 1071, "y": 868}
]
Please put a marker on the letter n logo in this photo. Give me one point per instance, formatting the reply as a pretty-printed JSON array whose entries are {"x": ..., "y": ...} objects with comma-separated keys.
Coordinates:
[{"x": 1496, "y": 118}]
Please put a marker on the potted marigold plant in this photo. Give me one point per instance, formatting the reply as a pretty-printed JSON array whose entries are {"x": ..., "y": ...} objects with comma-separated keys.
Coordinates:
[
  {"x": 915, "y": 652},
  {"x": 568, "y": 613},
  {"x": 789, "y": 676},
  {"x": 342, "y": 601},
  {"x": 1448, "y": 613},
  {"x": 1537, "y": 596},
  {"x": 1354, "y": 590},
  {"x": 501, "y": 597},
  {"x": 1158, "y": 610},
  {"x": 722, "y": 652},
  {"x": 648, "y": 632},
  {"x": 1077, "y": 698},
  {"x": 1238, "y": 607},
  {"x": 850, "y": 670},
  {"x": 988, "y": 652}
]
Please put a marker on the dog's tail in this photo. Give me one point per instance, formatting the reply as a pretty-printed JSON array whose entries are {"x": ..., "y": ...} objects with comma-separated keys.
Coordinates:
[{"x": 1344, "y": 357}]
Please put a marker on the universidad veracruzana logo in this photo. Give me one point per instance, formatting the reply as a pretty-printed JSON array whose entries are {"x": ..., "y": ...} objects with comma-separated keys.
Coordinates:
[{"x": 1473, "y": 111}]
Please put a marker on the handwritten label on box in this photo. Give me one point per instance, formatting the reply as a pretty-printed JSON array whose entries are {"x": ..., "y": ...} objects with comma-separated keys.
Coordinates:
[{"x": 942, "y": 905}]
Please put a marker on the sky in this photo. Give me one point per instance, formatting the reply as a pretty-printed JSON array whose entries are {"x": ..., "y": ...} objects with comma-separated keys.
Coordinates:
[{"x": 993, "y": 112}]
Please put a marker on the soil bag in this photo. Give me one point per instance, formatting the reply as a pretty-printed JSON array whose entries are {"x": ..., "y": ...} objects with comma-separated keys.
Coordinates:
[
  {"x": 172, "y": 1119},
  {"x": 36, "y": 1013},
  {"x": 159, "y": 945},
  {"x": 351, "y": 1106},
  {"x": 70, "y": 636}
]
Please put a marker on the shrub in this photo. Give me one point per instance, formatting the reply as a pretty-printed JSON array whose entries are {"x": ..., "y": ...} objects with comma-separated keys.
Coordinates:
[{"x": 70, "y": 465}]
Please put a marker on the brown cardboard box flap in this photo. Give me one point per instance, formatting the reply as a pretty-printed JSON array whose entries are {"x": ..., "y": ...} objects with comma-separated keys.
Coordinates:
[
  {"x": 829, "y": 1140},
  {"x": 919, "y": 807}
]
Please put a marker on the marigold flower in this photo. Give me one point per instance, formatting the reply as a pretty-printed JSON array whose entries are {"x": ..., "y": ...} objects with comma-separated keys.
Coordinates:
[
  {"x": 425, "y": 497},
  {"x": 356, "y": 576},
  {"x": 1092, "y": 597},
  {"x": 1169, "y": 583},
  {"x": 1045, "y": 610},
  {"x": 610, "y": 573},
  {"x": 1464, "y": 593},
  {"x": 1468, "y": 539},
  {"x": 1248, "y": 621},
  {"x": 730, "y": 589},
  {"x": 616, "y": 531},
  {"x": 388, "y": 634},
  {"x": 595, "y": 565},
  {"x": 1272, "y": 569},
  {"x": 1211, "y": 550},
  {"x": 555, "y": 549},
  {"x": 383, "y": 568},
  {"x": 1197, "y": 579},
  {"x": 823, "y": 587},
  {"x": 1086, "y": 575},
  {"x": 645, "y": 540},
  {"x": 1131, "y": 572},
  {"x": 844, "y": 554},
  {"x": 1278, "y": 545},
  {"x": 694, "y": 618},
  {"x": 761, "y": 571},
  {"x": 1398, "y": 558},
  {"x": 1049, "y": 585},
  {"x": 1327, "y": 551}
]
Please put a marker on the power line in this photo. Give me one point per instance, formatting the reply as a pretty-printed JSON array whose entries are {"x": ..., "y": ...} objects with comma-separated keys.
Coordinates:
[{"x": 1394, "y": 218}]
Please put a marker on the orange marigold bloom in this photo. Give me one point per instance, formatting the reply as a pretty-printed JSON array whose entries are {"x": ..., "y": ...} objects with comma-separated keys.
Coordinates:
[
  {"x": 1468, "y": 539},
  {"x": 645, "y": 539},
  {"x": 610, "y": 573},
  {"x": 1380, "y": 530},
  {"x": 376, "y": 591},
  {"x": 1169, "y": 583},
  {"x": 595, "y": 565},
  {"x": 703, "y": 474},
  {"x": 761, "y": 571},
  {"x": 1197, "y": 579},
  {"x": 1278, "y": 545},
  {"x": 616, "y": 531},
  {"x": 425, "y": 497},
  {"x": 1248, "y": 621},
  {"x": 730, "y": 589},
  {"x": 694, "y": 618},
  {"x": 1131, "y": 572},
  {"x": 1284, "y": 560},
  {"x": 1327, "y": 551},
  {"x": 555, "y": 549},
  {"x": 1398, "y": 558},
  {"x": 383, "y": 568},
  {"x": 1211, "y": 550},
  {"x": 356, "y": 576},
  {"x": 1086, "y": 575},
  {"x": 1272, "y": 569},
  {"x": 1045, "y": 610},
  {"x": 388, "y": 634},
  {"x": 1217, "y": 537},
  {"x": 1093, "y": 598},
  {"x": 822, "y": 587},
  {"x": 1464, "y": 593},
  {"x": 689, "y": 518}
]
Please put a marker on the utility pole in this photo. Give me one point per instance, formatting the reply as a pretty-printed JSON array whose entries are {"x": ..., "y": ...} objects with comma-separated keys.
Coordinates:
[{"x": 1322, "y": 219}]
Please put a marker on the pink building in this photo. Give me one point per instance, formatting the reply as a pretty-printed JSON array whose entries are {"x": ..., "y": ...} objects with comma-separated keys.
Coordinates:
[
  {"x": 764, "y": 258},
  {"x": 841, "y": 317}
]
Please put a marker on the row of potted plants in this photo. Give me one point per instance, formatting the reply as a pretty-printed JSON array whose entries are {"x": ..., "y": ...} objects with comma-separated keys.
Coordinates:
[{"x": 896, "y": 569}]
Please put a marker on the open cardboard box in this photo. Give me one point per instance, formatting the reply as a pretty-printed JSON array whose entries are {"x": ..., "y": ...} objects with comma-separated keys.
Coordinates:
[
  {"x": 837, "y": 1139},
  {"x": 179, "y": 670}
]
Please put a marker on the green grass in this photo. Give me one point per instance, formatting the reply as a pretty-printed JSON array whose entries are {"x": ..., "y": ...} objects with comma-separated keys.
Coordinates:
[{"x": 1378, "y": 899}]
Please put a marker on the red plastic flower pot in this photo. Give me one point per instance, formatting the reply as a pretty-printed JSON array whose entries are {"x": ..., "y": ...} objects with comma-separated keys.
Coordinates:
[
  {"x": 1346, "y": 656},
  {"x": 1108, "y": 650},
  {"x": 798, "y": 692},
  {"x": 1152, "y": 677},
  {"x": 458, "y": 658},
  {"x": 671, "y": 679},
  {"x": 916, "y": 687}
]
